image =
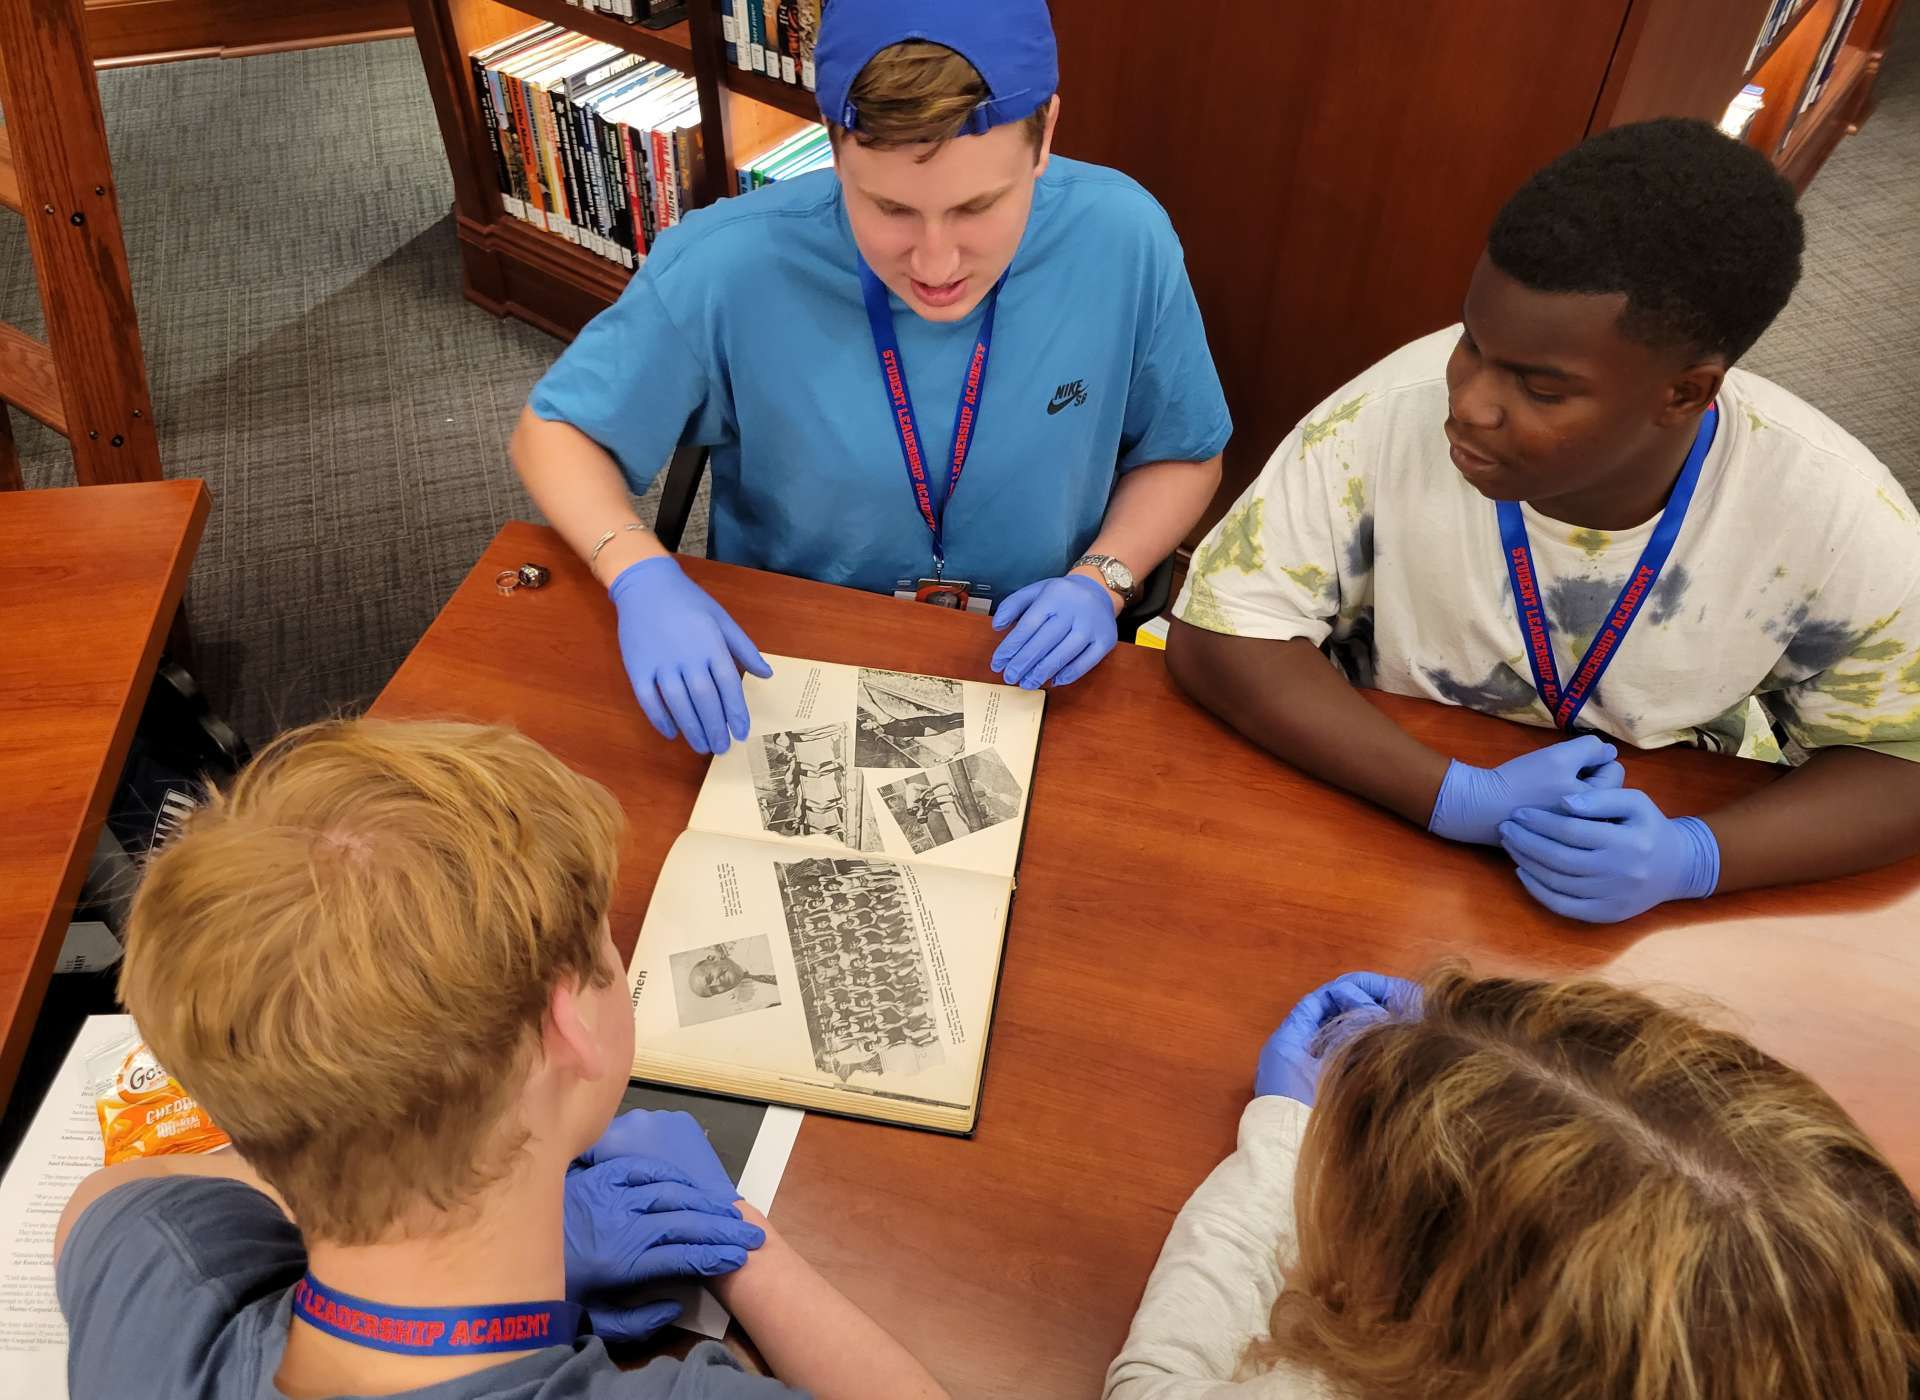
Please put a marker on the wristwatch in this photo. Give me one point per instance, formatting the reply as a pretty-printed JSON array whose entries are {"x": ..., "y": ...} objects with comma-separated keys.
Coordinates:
[{"x": 1116, "y": 575}]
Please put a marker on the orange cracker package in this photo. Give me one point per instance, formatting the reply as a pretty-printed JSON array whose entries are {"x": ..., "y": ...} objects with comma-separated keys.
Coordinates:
[{"x": 143, "y": 1110}]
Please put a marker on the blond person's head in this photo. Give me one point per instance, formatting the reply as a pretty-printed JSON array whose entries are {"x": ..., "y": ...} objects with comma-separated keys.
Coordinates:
[
  {"x": 381, "y": 959},
  {"x": 1564, "y": 1189}
]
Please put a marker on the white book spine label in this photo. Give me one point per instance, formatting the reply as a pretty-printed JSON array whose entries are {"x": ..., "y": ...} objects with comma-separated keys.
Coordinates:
[
  {"x": 514, "y": 206},
  {"x": 806, "y": 75},
  {"x": 758, "y": 54},
  {"x": 729, "y": 30},
  {"x": 787, "y": 72}
]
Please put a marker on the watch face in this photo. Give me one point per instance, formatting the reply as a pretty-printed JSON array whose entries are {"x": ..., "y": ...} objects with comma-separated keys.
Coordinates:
[{"x": 1119, "y": 575}]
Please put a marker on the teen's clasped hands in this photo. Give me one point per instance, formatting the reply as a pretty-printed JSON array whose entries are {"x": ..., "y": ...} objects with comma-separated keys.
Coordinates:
[
  {"x": 646, "y": 1205},
  {"x": 1582, "y": 843}
]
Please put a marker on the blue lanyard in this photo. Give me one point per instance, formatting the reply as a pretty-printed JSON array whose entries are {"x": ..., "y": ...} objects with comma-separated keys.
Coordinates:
[
  {"x": 437, "y": 1331},
  {"x": 966, "y": 415},
  {"x": 1564, "y": 704}
]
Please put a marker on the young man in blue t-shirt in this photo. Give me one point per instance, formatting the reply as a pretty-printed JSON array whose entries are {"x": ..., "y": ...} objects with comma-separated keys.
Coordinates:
[{"x": 956, "y": 366}]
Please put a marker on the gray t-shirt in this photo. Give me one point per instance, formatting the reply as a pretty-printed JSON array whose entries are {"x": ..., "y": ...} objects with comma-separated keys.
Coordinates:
[{"x": 181, "y": 1287}]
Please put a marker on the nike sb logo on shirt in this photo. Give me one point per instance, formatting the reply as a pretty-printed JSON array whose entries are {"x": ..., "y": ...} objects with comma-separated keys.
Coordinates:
[{"x": 1068, "y": 396}]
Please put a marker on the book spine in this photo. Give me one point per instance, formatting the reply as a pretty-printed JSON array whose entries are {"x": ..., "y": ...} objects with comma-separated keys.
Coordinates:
[
  {"x": 676, "y": 163},
  {"x": 536, "y": 178},
  {"x": 567, "y": 159},
  {"x": 639, "y": 211},
  {"x": 483, "y": 95},
  {"x": 770, "y": 26},
  {"x": 578, "y": 208},
  {"x": 596, "y": 162},
  {"x": 596, "y": 179},
  {"x": 514, "y": 193},
  {"x": 662, "y": 181},
  {"x": 730, "y": 33},
  {"x": 687, "y": 149},
  {"x": 563, "y": 200},
  {"x": 789, "y": 41},
  {"x": 809, "y": 35},
  {"x": 600, "y": 168},
  {"x": 569, "y": 201},
  {"x": 756, "y": 40},
  {"x": 625, "y": 233},
  {"x": 592, "y": 209}
]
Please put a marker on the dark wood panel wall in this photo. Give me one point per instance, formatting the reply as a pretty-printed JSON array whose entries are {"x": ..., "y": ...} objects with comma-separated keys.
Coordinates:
[
  {"x": 137, "y": 31},
  {"x": 1332, "y": 169}
]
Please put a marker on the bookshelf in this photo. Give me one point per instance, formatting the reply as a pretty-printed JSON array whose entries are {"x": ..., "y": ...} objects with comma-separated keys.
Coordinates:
[
  {"x": 513, "y": 269},
  {"x": 1331, "y": 169},
  {"x": 1806, "y": 57}
]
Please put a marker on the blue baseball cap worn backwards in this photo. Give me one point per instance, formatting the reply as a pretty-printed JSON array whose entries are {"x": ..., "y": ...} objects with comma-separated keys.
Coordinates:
[{"x": 1009, "y": 42}]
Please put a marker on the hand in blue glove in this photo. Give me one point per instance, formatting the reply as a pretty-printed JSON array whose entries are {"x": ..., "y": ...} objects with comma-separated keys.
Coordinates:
[
  {"x": 1291, "y": 1059},
  {"x": 666, "y": 1136},
  {"x": 684, "y": 655},
  {"x": 1606, "y": 856},
  {"x": 1066, "y": 625},
  {"x": 634, "y": 1222},
  {"x": 1474, "y": 801}
]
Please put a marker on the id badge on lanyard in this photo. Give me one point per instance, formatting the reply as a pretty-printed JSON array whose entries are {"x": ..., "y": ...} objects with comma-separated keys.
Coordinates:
[
  {"x": 1564, "y": 703},
  {"x": 939, "y": 590}
]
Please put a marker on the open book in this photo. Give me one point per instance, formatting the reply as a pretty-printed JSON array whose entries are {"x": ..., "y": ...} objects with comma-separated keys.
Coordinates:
[{"x": 827, "y": 932}]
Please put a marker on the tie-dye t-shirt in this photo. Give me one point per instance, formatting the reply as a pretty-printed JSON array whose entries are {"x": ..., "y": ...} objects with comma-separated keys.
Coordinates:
[{"x": 1787, "y": 617}]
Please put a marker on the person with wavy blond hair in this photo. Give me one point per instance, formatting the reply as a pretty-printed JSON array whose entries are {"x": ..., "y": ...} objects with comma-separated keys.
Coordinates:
[
  {"x": 382, "y": 963},
  {"x": 1502, "y": 1189}
]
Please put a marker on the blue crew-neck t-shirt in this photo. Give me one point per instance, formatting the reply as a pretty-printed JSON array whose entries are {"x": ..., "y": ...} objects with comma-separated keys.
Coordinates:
[
  {"x": 745, "y": 331},
  {"x": 181, "y": 1288}
]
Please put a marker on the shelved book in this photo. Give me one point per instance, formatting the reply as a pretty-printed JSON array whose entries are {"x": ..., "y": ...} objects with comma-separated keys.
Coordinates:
[
  {"x": 774, "y": 37},
  {"x": 805, "y": 150},
  {"x": 1779, "y": 15},
  {"x": 827, "y": 932},
  {"x": 590, "y": 142},
  {"x": 649, "y": 12},
  {"x": 1830, "y": 46}
]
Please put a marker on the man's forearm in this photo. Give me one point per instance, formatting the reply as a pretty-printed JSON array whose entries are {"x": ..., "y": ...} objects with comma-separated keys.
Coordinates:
[
  {"x": 811, "y": 1334},
  {"x": 1845, "y": 810},
  {"x": 1287, "y": 699},
  {"x": 1151, "y": 510},
  {"x": 579, "y": 488}
]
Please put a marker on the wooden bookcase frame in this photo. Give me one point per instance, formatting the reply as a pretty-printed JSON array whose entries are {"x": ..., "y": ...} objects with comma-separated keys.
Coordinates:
[{"x": 514, "y": 269}]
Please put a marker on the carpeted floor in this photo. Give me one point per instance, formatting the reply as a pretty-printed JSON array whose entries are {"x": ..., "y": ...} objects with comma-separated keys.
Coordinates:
[
  {"x": 312, "y": 358},
  {"x": 1849, "y": 342}
]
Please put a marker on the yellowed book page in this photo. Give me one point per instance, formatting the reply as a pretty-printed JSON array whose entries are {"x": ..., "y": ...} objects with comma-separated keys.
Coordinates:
[
  {"x": 853, "y": 758},
  {"x": 792, "y": 974}
]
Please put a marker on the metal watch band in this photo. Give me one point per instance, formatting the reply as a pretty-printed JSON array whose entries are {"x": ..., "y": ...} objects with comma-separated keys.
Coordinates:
[{"x": 1116, "y": 575}]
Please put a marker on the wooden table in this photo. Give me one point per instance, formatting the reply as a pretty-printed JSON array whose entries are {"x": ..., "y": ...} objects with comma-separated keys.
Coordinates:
[
  {"x": 90, "y": 580},
  {"x": 1179, "y": 890}
]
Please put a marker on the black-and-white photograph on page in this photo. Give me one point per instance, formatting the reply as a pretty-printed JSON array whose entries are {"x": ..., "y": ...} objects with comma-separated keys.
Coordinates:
[
  {"x": 952, "y": 801},
  {"x": 865, "y": 984},
  {"x": 724, "y": 979},
  {"x": 801, "y": 783},
  {"x": 906, "y": 721}
]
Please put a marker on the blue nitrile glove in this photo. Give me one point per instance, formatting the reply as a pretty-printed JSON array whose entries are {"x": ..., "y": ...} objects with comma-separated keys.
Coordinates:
[
  {"x": 668, "y": 1136},
  {"x": 1066, "y": 625},
  {"x": 1606, "y": 856},
  {"x": 1290, "y": 1061},
  {"x": 635, "y": 1222},
  {"x": 684, "y": 655},
  {"x": 1474, "y": 801}
]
